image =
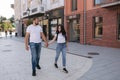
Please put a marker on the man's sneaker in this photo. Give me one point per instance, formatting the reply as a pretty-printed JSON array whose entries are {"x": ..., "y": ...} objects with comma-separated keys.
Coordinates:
[
  {"x": 65, "y": 70},
  {"x": 34, "y": 73},
  {"x": 38, "y": 67},
  {"x": 56, "y": 65}
]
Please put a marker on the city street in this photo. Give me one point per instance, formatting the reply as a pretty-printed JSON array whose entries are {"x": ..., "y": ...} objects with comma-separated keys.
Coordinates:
[
  {"x": 91, "y": 28},
  {"x": 105, "y": 60},
  {"x": 15, "y": 63}
]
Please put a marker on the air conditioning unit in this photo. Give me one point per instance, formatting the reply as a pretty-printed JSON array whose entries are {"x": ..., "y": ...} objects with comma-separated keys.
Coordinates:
[{"x": 34, "y": 10}]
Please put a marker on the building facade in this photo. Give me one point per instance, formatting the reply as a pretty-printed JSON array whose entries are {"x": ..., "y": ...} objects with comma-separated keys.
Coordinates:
[
  {"x": 50, "y": 13},
  {"x": 18, "y": 22},
  {"x": 24, "y": 11},
  {"x": 94, "y": 22},
  {"x": 74, "y": 20},
  {"x": 54, "y": 16}
]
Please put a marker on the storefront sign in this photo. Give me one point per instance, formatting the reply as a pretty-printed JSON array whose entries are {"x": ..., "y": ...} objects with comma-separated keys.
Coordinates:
[{"x": 73, "y": 16}]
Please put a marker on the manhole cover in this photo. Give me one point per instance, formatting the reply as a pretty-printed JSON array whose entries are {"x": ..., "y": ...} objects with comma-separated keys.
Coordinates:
[
  {"x": 93, "y": 53},
  {"x": 89, "y": 57},
  {"x": 6, "y": 50}
]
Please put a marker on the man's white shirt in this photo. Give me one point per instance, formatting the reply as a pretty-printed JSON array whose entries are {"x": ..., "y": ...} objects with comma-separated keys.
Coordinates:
[{"x": 34, "y": 33}]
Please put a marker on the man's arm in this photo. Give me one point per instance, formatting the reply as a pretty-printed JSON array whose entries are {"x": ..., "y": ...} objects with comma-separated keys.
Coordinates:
[
  {"x": 26, "y": 40},
  {"x": 44, "y": 38}
]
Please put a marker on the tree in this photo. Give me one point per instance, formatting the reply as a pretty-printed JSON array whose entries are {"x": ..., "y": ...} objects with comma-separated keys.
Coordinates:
[
  {"x": 2, "y": 19},
  {"x": 11, "y": 19}
]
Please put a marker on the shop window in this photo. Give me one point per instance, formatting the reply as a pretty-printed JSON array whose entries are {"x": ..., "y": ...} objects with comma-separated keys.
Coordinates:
[
  {"x": 98, "y": 27},
  {"x": 119, "y": 27},
  {"x": 74, "y": 5},
  {"x": 59, "y": 21}
]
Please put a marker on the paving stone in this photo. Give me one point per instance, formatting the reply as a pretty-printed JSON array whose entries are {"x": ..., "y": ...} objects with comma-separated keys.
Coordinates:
[{"x": 16, "y": 64}]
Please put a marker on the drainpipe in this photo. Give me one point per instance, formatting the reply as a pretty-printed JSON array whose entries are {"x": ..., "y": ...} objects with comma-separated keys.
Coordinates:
[{"x": 84, "y": 22}]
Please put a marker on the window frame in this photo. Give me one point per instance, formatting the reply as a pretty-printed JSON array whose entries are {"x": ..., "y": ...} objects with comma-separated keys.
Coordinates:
[
  {"x": 96, "y": 4},
  {"x": 118, "y": 27},
  {"x": 95, "y": 25},
  {"x": 73, "y": 7}
]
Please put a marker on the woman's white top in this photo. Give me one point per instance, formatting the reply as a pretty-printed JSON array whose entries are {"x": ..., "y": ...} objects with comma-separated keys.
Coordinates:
[{"x": 61, "y": 38}]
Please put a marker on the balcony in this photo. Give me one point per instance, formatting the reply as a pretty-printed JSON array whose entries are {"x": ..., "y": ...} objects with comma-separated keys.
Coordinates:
[
  {"x": 37, "y": 9},
  {"x": 109, "y": 3}
]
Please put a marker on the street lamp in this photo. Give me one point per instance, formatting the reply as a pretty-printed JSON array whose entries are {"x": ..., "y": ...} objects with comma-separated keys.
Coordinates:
[{"x": 23, "y": 28}]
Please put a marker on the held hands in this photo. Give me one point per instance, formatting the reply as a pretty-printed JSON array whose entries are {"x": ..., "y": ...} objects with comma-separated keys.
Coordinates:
[{"x": 46, "y": 44}]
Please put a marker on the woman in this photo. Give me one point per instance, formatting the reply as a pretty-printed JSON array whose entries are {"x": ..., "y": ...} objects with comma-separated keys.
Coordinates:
[{"x": 61, "y": 46}]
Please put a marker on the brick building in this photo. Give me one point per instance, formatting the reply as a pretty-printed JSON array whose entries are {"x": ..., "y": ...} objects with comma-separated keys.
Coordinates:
[{"x": 95, "y": 22}]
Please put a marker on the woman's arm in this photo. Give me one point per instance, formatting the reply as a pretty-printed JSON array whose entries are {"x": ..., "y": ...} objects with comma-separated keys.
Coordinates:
[{"x": 54, "y": 38}]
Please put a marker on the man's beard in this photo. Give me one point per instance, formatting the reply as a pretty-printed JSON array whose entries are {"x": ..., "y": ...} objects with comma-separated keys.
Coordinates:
[{"x": 36, "y": 23}]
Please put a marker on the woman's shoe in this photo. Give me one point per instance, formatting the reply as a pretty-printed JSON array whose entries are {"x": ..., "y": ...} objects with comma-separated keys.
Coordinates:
[
  {"x": 56, "y": 65},
  {"x": 38, "y": 67},
  {"x": 65, "y": 70}
]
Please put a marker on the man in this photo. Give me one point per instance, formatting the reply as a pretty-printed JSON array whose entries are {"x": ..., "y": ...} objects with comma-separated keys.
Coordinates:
[{"x": 33, "y": 37}]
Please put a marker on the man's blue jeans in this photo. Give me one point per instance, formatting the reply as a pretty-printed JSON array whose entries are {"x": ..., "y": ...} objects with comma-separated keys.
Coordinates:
[
  {"x": 61, "y": 47},
  {"x": 35, "y": 53}
]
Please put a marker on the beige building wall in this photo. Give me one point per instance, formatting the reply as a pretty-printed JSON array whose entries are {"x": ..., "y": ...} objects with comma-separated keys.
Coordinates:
[
  {"x": 17, "y": 9},
  {"x": 35, "y": 3},
  {"x": 31, "y": 4}
]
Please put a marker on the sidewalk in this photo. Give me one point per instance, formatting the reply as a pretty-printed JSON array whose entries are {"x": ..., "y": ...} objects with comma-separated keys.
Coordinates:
[
  {"x": 15, "y": 63},
  {"x": 106, "y": 64}
]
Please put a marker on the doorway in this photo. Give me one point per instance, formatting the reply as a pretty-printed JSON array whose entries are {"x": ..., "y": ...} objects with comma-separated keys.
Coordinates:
[
  {"x": 74, "y": 31},
  {"x": 45, "y": 30}
]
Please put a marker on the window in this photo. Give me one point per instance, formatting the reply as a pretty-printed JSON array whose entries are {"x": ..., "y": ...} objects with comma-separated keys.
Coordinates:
[
  {"x": 97, "y": 2},
  {"x": 74, "y": 5},
  {"x": 119, "y": 27},
  {"x": 98, "y": 27}
]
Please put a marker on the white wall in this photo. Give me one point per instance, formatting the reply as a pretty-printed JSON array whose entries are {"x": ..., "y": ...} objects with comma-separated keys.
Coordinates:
[{"x": 17, "y": 9}]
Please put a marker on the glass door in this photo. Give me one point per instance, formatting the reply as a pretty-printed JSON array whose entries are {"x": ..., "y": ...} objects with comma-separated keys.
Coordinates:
[{"x": 74, "y": 31}]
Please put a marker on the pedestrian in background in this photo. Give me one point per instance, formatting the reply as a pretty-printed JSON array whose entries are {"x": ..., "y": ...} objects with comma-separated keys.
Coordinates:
[
  {"x": 34, "y": 33},
  {"x": 0, "y": 32},
  {"x": 6, "y": 33},
  {"x": 10, "y": 32},
  {"x": 61, "y": 46}
]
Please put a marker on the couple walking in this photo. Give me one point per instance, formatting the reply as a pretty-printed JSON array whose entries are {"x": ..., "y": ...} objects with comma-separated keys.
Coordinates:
[{"x": 33, "y": 38}]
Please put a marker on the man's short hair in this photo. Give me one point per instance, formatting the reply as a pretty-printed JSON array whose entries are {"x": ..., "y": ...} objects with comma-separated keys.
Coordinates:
[{"x": 35, "y": 18}]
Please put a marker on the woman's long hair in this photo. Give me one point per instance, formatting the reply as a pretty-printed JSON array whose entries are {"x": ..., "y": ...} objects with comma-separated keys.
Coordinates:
[{"x": 62, "y": 31}]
